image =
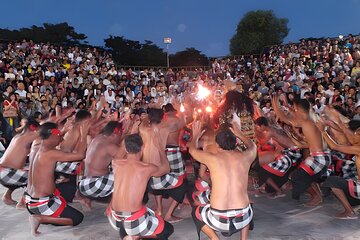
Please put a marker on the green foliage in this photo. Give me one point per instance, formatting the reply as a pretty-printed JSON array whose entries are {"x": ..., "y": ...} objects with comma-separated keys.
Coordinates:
[
  {"x": 189, "y": 57},
  {"x": 129, "y": 52},
  {"x": 124, "y": 51},
  {"x": 256, "y": 30},
  {"x": 61, "y": 33}
]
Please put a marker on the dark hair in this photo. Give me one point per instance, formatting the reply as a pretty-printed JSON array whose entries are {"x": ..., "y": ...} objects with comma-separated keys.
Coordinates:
[
  {"x": 45, "y": 129},
  {"x": 37, "y": 114},
  {"x": 303, "y": 104},
  {"x": 110, "y": 128},
  {"x": 225, "y": 138},
  {"x": 169, "y": 108},
  {"x": 133, "y": 143},
  {"x": 239, "y": 102},
  {"x": 81, "y": 115},
  {"x": 155, "y": 115},
  {"x": 262, "y": 121},
  {"x": 354, "y": 125},
  {"x": 31, "y": 123}
]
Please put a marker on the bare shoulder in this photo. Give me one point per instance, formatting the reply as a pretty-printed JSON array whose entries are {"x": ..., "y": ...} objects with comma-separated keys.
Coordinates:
[
  {"x": 237, "y": 155},
  {"x": 53, "y": 154}
]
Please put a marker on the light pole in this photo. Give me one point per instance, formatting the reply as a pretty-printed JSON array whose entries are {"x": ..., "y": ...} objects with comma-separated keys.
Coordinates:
[{"x": 167, "y": 41}]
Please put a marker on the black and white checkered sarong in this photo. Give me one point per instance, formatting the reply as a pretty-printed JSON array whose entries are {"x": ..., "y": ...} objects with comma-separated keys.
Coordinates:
[
  {"x": 96, "y": 187},
  {"x": 175, "y": 160},
  {"x": 283, "y": 162},
  {"x": 141, "y": 223},
  {"x": 52, "y": 205},
  {"x": 316, "y": 162},
  {"x": 227, "y": 222},
  {"x": 72, "y": 168},
  {"x": 202, "y": 192},
  {"x": 176, "y": 175},
  {"x": 349, "y": 172},
  {"x": 13, "y": 177}
]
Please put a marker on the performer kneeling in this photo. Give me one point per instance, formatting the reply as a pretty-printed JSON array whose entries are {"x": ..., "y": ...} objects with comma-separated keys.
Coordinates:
[
  {"x": 13, "y": 173},
  {"x": 98, "y": 181},
  {"x": 229, "y": 209},
  {"x": 131, "y": 175},
  {"x": 43, "y": 201}
]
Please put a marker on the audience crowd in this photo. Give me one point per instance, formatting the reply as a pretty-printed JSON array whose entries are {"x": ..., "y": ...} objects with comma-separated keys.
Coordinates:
[{"x": 35, "y": 78}]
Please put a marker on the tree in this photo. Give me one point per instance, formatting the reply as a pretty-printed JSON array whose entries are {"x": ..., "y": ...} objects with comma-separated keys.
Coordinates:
[
  {"x": 129, "y": 52},
  {"x": 61, "y": 33},
  {"x": 256, "y": 30},
  {"x": 189, "y": 57}
]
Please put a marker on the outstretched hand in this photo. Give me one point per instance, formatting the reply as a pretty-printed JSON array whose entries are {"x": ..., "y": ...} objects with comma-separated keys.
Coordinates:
[{"x": 196, "y": 130}]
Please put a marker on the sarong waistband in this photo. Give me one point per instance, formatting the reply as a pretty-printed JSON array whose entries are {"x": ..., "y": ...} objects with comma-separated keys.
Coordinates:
[
  {"x": 129, "y": 216},
  {"x": 230, "y": 213},
  {"x": 318, "y": 153},
  {"x": 172, "y": 149},
  {"x": 36, "y": 201}
]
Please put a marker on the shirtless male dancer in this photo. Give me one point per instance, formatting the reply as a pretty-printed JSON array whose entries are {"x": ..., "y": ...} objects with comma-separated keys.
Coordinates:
[
  {"x": 12, "y": 163},
  {"x": 98, "y": 180},
  {"x": 167, "y": 185},
  {"x": 173, "y": 181},
  {"x": 314, "y": 166},
  {"x": 43, "y": 201},
  {"x": 276, "y": 173},
  {"x": 69, "y": 143},
  {"x": 347, "y": 187},
  {"x": 229, "y": 209},
  {"x": 132, "y": 175},
  {"x": 67, "y": 172}
]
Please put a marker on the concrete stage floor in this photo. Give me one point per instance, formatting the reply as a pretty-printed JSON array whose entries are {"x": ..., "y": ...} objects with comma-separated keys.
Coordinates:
[{"x": 276, "y": 219}]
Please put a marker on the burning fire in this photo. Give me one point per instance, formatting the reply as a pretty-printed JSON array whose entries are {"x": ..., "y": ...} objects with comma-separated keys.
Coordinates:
[
  {"x": 202, "y": 92},
  {"x": 182, "y": 108},
  {"x": 208, "y": 109}
]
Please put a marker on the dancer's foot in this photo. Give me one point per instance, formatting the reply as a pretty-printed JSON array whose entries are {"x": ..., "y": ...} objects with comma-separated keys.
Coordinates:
[
  {"x": 172, "y": 219},
  {"x": 346, "y": 215},
  {"x": 8, "y": 200},
  {"x": 158, "y": 212},
  {"x": 314, "y": 202},
  {"x": 34, "y": 225},
  {"x": 20, "y": 205},
  {"x": 277, "y": 195},
  {"x": 85, "y": 203}
]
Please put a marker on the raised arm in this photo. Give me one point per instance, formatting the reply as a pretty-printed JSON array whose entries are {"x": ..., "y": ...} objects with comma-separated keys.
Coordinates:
[
  {"x": 251, "y": 149},
  {"x": 288, "y": 119},
  {"x": 201, "y": 156},
  {"x": 353, "y": 149}
]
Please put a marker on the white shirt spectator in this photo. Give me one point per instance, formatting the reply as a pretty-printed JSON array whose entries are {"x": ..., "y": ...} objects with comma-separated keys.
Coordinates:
[
  {"x": 319, "y": 110},
  {"x": 266, "y": 110},
  {"x": 106, "y": 82},
  {"x": 49, "y": 74},
  {"x": 10, "y": 76},
  {"x": 329, "y": 94},
  {"x": 22, "y": 93},
  {"x": 112, "y": 72},
  {"x": 109, "y": 96}
]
